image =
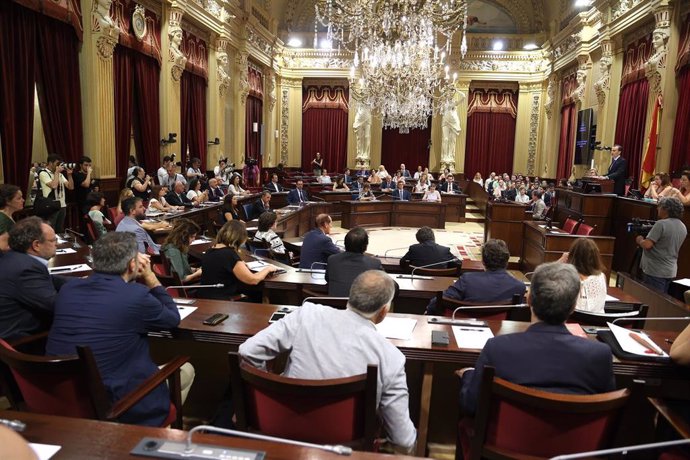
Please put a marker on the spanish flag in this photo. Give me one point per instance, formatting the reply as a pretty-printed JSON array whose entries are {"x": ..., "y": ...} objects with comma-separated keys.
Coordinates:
[{"x": 649, "y": 162}]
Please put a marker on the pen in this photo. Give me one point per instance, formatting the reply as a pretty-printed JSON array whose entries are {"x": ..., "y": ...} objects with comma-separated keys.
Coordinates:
[
  {"x": 637, "y": 338},
  {"x": 60, "y": 270},
  {"x": 471, "y": 330}
]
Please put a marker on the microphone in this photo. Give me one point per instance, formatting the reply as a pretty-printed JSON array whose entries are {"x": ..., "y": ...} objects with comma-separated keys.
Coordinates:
[
  {"x": 385, "y": 254},
  {"x": 622, "y": 450},
  {"x": 411, "y": 276},
  {"x": 656, "y": 318},
  {"x": 76, "y": 244},
  {"x": 311, "y": 268},
  {"x": 317, "y": 198},
  {"x": 197, "y": 286}
]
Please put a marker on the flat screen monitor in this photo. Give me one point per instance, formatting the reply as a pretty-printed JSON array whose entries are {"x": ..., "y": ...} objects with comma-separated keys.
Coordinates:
[{"x": 584, "y": 137}]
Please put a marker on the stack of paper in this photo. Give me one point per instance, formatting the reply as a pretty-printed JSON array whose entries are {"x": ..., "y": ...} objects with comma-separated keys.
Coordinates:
[
  {"x": 472, "y": 337},
  {"x": 397, "y": 328},
  {"x": 627, "y": 342},
  {"x": 256, "y": 265},
  {"x": 185, "y": 311},
  {"x": 67, "y": 269}
]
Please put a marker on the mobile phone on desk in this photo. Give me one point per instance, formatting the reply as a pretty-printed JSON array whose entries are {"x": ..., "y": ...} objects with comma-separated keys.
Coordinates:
[
  {"x": 215, "y": 319},
  {"x": 277, "y": 316}
]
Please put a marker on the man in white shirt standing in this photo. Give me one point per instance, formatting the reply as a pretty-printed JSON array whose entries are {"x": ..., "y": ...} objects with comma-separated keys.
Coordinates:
[
  {"x": 53, "y": 185},
  {"x": 163, "y": 176},
  {"x": 326, "y": 343}
]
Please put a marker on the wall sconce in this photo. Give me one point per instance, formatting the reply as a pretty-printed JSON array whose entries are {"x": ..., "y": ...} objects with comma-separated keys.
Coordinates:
[
  {"x": 215, "y": 141},
  {"x": 277, "y": 134},
  {"x": 172, "y": 138},
  {"x": 255, "y": 127}
]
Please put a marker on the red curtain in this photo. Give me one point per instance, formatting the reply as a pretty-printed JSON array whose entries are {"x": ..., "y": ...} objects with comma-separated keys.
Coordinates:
[
  {"x": 566, "y": 146},
  {"x": 680, "y": 151},
  {"x": 630, "y": 125},
  {"x": 193, "y": 108},
  {"x": 59, "y": 92},
  {"x": 490, "y": 143},
  {"x": 146, "y": 73},
  {"x": 17, "y": 68},
  {"x": 122, "y": 81},
  {"x": 252, "y": 140},
  {"x": 411, "y": 148},
  {"x": 324, "y": 126}
]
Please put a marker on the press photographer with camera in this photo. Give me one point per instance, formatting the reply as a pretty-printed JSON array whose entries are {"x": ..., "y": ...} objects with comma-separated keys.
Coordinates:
[
  {"x": 659, "y": 261},
  {"x": 50, "y": 203}
]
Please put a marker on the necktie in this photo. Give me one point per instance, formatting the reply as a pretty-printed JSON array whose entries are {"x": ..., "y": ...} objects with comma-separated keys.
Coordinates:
[
  {"x": 401, "y": 194},
  {"x": 299, "y": 193}
]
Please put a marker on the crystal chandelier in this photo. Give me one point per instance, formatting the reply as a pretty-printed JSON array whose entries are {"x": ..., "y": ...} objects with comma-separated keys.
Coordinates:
[{"x": 401, "y": 49}]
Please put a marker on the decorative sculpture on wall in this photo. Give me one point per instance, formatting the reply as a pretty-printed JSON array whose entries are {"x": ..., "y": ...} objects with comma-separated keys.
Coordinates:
[
  {"x": 362, "y": 128},
  {"x": 450, "y": 131}
]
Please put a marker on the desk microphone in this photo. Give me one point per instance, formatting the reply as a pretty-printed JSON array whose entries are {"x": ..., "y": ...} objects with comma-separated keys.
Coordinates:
[
  {"x": 311, "y": 268},
  {"x": 656, "y": 318},
  {"x": 76, "y": 244},
  {"x": 411, "y": 276},
  {"x": 385, "y": 254}
]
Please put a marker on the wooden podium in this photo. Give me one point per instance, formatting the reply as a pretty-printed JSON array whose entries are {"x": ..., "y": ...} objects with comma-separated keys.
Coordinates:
[
  {"x": 504, "y": 222},
  {"x": 605, "y": 184}
]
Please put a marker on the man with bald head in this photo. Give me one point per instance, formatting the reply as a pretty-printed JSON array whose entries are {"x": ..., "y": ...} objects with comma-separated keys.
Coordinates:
[{"x": 326, "y": 343}]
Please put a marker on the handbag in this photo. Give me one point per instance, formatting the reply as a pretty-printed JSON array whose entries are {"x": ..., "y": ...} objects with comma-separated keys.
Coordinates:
[{"x": 45, "y": 206}]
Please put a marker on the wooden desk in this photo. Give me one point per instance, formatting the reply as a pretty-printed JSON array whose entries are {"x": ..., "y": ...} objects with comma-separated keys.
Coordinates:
[
  {"x": 296, "y": 221},
  {"x": 393, "y": 213},
  {"x": 478, "y": 195},
  {"x": 455, "y": 205},
  {"x": 594, "y": 208},
  {"x": 540, "y": 245},
  {"x": 88, "y": 439},
  {"x": 504, "y": 222},
  {"x": 335, "y": 198}
]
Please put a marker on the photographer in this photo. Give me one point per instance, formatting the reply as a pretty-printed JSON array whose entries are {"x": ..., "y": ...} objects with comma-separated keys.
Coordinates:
[
  {"x": 53, "y": 184},
  {"x": 83, "y": 183},
  {"x": 659, "y": 262}
]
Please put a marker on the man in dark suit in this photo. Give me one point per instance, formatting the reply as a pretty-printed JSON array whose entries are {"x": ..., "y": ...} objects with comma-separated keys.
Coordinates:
[
  {"x": 215, "y": 193},
  {"x": 450, "y": 186},
  {"x": 427, "y": 252},
  {"x": 347, "y": 177},
  {"x": 274, "y": 186},
  {"x": 111, "y": 314},
  {"x": 358, "y": 185},
  {"x": 492, "y": 285},
  {"x": 177, "y": 196},
  {"x": 261, "y": 205},
  {"x": 400, "y": 193},
  {"x": 298, "y": 194},
  {"x": 344, "y": 267},
  {"x": 404, "y": 172},
  {"x": 618, "y": 170},
  {"x": 27, "y": 290},
  {"x": 546, "y": 356},
  {"x": 387, "y": 184},
  {"x": 317, "y": 245}
]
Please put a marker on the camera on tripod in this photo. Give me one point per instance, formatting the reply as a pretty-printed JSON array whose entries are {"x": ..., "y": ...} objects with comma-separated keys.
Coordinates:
[{"x": 641, "y": 227}]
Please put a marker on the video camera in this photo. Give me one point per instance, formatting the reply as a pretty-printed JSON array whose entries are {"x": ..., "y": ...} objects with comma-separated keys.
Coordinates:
[
  {"x": 69, "y": 165},
  {"x": 641, "y": 227}
]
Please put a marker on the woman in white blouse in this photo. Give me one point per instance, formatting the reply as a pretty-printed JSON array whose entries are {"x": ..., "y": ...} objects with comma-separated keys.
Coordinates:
[
  {"x": 195, "y": 194},
  {"x": 157, "y": 203},
  {"x": 423, "y": 184},
  {"x": 432, "y": 194},
  {"x": 478, "y": 179},
  {"x": 234, "y": 187},
  {"x": 585, "y": 257}
]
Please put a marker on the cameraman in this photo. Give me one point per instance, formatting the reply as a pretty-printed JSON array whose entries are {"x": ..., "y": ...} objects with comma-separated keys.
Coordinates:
[
  {"x": 659, "y": 262},
  {"x": 53, "y": 185}
]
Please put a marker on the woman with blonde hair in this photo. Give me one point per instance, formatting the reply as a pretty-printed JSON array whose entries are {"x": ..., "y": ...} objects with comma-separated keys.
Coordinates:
[
  {"x": 176, "y": 247},
  {"x": 222, "y": 264},
  {"x": 585, "y": 257}
]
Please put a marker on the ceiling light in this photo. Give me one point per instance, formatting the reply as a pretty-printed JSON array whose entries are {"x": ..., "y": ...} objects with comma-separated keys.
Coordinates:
[
  {"x": 582, "y": 3},
  {"x": 326, "y": 44},
  {"x": 295, "y": 42},
  {"x": 498, "y": 45},
  {"x": 530, "y": 46}
]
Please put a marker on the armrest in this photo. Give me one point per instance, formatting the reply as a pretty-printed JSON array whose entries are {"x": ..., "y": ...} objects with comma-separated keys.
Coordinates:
[
  {"x": 678, "y": 423},
  {"x": 133, "y": 397},
  {"x": 19, "y": 342},
  {"x": 461, "y": 372}
]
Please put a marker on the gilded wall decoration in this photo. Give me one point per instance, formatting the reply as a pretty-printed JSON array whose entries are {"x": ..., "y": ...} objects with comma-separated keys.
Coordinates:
[
  {"x": 284, "y": 125},
  {"x": 602, "y": 85},
  {"x": 272, "y": 94},
  {"x": 533, "y": 130},
  {"x": 550, "y": 95},
  {"x": 104, "y": 29},
  {"x": 242, "y": 62},
  {"x": 222, "y": 62},
  {"x": 657, "y": 62},
  {"x": 570, "y": 43}
]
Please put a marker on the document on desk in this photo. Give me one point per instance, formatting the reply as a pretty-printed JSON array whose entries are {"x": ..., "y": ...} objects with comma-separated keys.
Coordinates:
[
  {"x": 610, "y": 298},
  {"x": 397, "y": 328},
  {"x": 256, "y": 265},
  {"x": 683, "y": 282},
  {"x": 185, "y": 311},
  {"x": 200, "y": 241},
  {"x": 629, "y": 344},
  {"x": 44, "y": 451},
  {"x": 67, "y": 269},
  {"x": 64, "y": 251},
  {"x": 472, "y": 337}
]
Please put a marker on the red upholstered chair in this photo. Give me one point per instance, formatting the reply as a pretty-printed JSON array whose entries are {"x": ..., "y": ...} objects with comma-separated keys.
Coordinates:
[
  {"x": 115, "y": 217},
  {"x": 334, "y": 411},
  {"x": 513, "y": 421},
  {"x": 570, "y": 225},
  {"x": 584, "y": 229},
  {"x": 71, "y": 386},
  {"x": 91, "y": 228}
]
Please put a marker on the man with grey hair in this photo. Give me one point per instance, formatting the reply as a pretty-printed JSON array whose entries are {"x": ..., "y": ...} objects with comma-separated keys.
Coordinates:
[
  {"x": 27, "y": 290},
  {"x": 326, "y": 343},
  {"x": 661, "y": 246},
  {"x": 546, "y": 356},
  {"x": 112, "y": 314}
]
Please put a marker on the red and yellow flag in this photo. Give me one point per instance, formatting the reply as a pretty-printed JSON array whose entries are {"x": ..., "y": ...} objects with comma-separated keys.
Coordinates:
[{"x": 649, "y": 161}]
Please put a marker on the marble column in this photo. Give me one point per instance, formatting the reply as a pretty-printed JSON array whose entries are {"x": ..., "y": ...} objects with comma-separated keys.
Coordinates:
[{"x": 172, "y": 66}]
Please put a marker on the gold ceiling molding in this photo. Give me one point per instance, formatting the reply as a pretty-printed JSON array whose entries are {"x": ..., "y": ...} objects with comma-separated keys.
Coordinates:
[
  {"x": 325, "y": 82},
  {"x": 497, "y": 85}
]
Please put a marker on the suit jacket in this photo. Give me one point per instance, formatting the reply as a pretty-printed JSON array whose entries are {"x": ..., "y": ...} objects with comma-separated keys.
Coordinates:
[
  {"x": 545, "y": 357},
  {"x": 444, "y": 187},
  {"x": 356, "y": 186},
  {"x": 344, "y": 267},
  {"x": 407, "y": 196},
  {"x": 489, "y": 286},
  {"x": 427, "y": 253},
  {"x": 316, "y": 247},
  {"x": 177, "y": 200},
  {"x": 113, "y": 317},
  {"x": 258, "y": 208},
  {"x": 387, "y": 185},
  {"x": 273, "y": 188},
  {"x": 293, "y": 197},
  {"x": 27, "y": 295},
  {"x": 618, "y": 172},
  {"x": 215, "y": 194}
]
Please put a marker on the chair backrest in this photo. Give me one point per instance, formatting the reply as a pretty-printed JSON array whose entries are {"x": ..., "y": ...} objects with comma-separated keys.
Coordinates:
[
  {"x": 247, "y": 209},
  {"x": 584, "y": 229},
  {"x": 91, "y": 228},
  {"x": 69, "y": 386},
  {"x": 451, "y": 271},
  {"x": 500, "y": 310},
  {"x": 115, "y": 217},
  {"x": 519, "y": 421},
  {"x": 336, "y": 302},
  {"x": 333, "y": 411},
  {"x": 570, "y": 225},
  {"x": 600, "y": 319}
]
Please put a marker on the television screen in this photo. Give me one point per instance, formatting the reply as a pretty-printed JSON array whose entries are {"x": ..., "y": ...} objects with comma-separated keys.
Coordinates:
[{"x": 585, "y": 136}]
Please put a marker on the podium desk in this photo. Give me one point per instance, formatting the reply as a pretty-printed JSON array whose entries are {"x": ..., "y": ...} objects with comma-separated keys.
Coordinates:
[
  {"x": 393, "y": 214},
  {"x": 593, "y": 208},
  {"x": 543, "y": 245},
  {"x": 504, "y": 222},
  {"x": 335, "y": 198},
  {"x": 296, "y": 221},
  {"x": 88, "y": 439},
  {"x": 479, "y": 196}
]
